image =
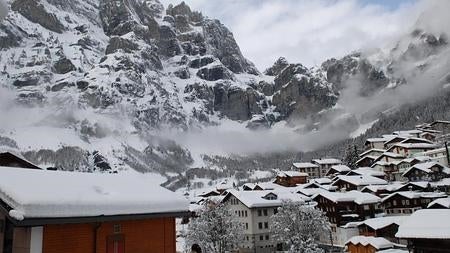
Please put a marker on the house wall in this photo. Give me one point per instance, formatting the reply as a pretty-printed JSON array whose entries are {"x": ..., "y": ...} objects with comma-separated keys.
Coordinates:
[
  {"x": 22, "y": 239},
  {"x": 140, "y": 236},
  {"x": 360, "y": 248},
  {"x": 36, "y": 239}
]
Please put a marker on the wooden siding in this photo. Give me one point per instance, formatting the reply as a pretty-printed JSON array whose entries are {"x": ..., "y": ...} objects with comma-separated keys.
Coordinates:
[
  {"x": 360, "y": 248},
  {"x": 140, "y": 236}
]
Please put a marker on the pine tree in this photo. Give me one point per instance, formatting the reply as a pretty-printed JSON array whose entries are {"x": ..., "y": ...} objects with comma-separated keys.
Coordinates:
[
  {"x": 215, "y": 230},
  {"x": 351, "y": 156},
  {"x": 299, "y": 227}
]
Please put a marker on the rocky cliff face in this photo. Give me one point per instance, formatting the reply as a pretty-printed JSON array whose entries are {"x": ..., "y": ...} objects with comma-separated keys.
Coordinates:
[{"x": 105, "y": 75}]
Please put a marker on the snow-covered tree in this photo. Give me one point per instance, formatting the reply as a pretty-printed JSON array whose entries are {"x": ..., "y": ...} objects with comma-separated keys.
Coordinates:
[
  {"x": 298, "y": 227},
  {"x": 215, "y": 230},
  {"x": 351, "y": 156}
]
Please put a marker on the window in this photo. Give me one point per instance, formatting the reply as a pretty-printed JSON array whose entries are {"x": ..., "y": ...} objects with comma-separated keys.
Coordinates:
[
  {"x": 260, "y": 225},
  {"x": 259, "y": 213},
  {"x": 246, "y": 225},
  {"x": 117, "y": 229},
  {"x": 266, "y": 225},
  {"x": 275, "y": 210},
  {"x": 245, "y": 213},
  {"x": 261, "y": 238},
  {"x": 394, "y": 203},
  {"x": 267, "y": 237},
  {"x": 115, "y": 244},
  {"x": 366, "y": 207},
  {"x": 265, "y": 212}
]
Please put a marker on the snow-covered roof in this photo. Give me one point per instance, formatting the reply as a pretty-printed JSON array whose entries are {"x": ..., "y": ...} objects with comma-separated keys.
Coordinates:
[
  {"x": 340, "y": 168},
  {"x": 426, "y": 223},
  {"x": 322, "y": 180},
  {"x": 444, "y": 202},
  {"x": 382, "y": 222},
  {"x": 376, "y": 139},
  {"x": 393, "y": 251},
  {"x": 254, "y": 199},
  {"x": 367, "y": 171},
  {"x": 392, "y": 155},
  {"x": 327, "y": 161},
  {"x": 389, "y": 187},
  {"x": 291, "y": 174},
  {"x": 361, "y": 180},
  {"x": 426, "y": 167},
  {"x": 376, "y": 242},
  {"x": 376, "y": 150},
  {"x": 305, "y": 165},
  {"x": 55, "y": 194},
  {"x": 351, "y": 196},
  {"x": 416, "y": 145},
  {"x": 416, "y": 195}
]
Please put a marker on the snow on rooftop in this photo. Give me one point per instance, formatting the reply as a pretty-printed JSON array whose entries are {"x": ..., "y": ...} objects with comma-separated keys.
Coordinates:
[
  {"x": 254, "y": 199},
  {"x": 376, "y": 242},
  {"x": 291, "y": 174},
  {"x": 393, "y": 251},
  {"x": 382, "y": 222},
  {"x": 322, "y": 180},
  {"x": 426, "y": 223},
  {"x": 444, "y": 202},
  {"x": 416, "y": 195},
  {"x": 426, "y": 167},
  {"x": 327, "y": 161},
  {"x": 56, "y": 194},
  {"x": 367, "y": 171},
  {"x": 305, "y": 165},
  {"x": 362, "y": 180},
  {"x": 340, "y": 168},
  {"x": 355, "y": 196}
]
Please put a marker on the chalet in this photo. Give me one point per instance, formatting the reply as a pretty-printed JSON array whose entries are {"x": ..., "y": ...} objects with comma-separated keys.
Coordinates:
[
  {"x": 254, "y": 209},
  {"x": 310, "y": 168},
  {"x": 9, "y": 159},
  {"x": 406, "y": 203},
  {"x": 51, "y": 211},
  {"x": 367, "y": 244},
  {"x": 325, "y": 164},
  {"x": 394, "y": 170},
  {"x": 357, "y": 182},
  {"x": 375, "y": 143},
  {"x": 382, "y": 190},
  {"x": 252, "y": 187},
  {"x": 291, "y": 178},
  {"x": 422, "y": 186},
  {"x": 372, "y": 152},
  {"x": 439, "y": 155},
  {"x": 367, "y": 171},
  {"x": 338, "y": 170},
  {"x": 366, "y": 161},
  {"x": 390, "y": 157},
  {"x": 441, "y": 203},
  {"x": 410, "y": 149},
  {"x": 427, "y": 231},
  {"x": 385, "y": 227},
  {"x": 441, "y": 125},
  {"x": 428, "y": 171},
  {"x": 412, "y": 133},
  {"x": 431, "y": 136},
  {"x": 392, "y": 141},
  {"x": 344, "y": 207}
]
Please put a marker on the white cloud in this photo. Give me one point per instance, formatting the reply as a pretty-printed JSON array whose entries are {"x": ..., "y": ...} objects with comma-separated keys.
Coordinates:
[{"x": 308, "y": 32}]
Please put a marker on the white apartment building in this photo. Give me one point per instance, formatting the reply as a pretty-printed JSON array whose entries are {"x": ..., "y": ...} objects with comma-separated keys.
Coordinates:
[{"x": 254, "y": 209}]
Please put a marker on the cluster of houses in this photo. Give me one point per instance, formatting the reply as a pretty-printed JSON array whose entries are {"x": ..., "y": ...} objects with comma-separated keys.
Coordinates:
[
  {"x": 395, "y": 201},
  {"x": 402, "y": 181}
]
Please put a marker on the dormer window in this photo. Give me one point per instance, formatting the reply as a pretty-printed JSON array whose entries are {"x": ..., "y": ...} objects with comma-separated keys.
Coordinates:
[{"x": 270, "y": 196}]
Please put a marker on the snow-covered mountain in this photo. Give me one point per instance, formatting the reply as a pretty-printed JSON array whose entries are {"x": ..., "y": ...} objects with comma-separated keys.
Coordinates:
[{"x": 97, "y": 84}]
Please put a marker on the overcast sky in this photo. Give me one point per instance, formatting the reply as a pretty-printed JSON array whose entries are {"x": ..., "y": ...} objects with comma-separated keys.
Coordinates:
[{"x": 308, "y": 31}]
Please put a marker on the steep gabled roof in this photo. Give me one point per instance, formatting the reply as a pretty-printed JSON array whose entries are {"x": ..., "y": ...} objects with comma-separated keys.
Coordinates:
[{"x": 376, "y": 242}]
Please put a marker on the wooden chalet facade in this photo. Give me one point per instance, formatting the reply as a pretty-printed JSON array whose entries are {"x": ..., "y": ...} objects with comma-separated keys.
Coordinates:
[
  {"x": 367, "y": 244},
  {"x": 406, "y": 203},
  {"x": 342, "y": 208},
  {"x": 291, "y": 178},
  {"x": 429, "y": 171},
  {"x": 71, "y": 221}
]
